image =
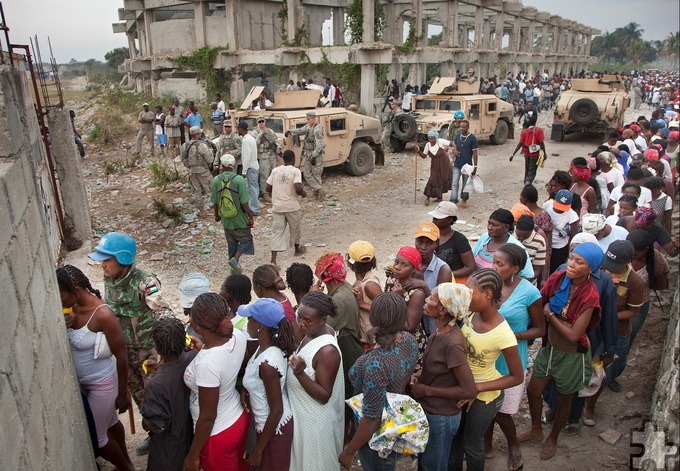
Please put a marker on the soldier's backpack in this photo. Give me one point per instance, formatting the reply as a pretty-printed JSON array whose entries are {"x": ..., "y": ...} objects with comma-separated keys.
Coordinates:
[{"x": 230, "y": 204}]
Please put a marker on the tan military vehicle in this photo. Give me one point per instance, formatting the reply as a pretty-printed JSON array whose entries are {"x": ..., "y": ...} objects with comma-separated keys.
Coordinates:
[
  {"x": 351, "y": 139},
  {"x": 591, "y": 105},
  {"x": 489, "y": 116}
]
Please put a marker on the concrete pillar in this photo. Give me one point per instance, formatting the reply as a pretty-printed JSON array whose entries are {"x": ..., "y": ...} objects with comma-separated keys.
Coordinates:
[
  {"x": 486, "y": 38},
  {"x": 516, "y": 36},
  {"x": 148, "y": 19},
  {"x": 72, "y": 185},
  {"x": 339, "y": 26},
  {"x": 452, "y": 26},
  {"x": 396, "y": 71},
  {"x": 368, "y": 34},
  {"x": 587, "y": 43},
  {"x": 557, "y": 40},
  {"x": 544, "y": 39},
  {"x": 295, "y": 15},
  {"x": 131, "y": 44},
  {"x": 498, "y": 35},
  {"x": 479, "y": 26},
  {"x": 531, "y": 36},
  {"x": 201, "y": 11},
  {"x": 232, "y": 29},
  {"x": 237, "y": 90},
  {"x": 368, "y": 87}
]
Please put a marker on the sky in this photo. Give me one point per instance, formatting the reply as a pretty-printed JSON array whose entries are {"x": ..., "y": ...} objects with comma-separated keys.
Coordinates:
[{"x": 81, "y": 29}]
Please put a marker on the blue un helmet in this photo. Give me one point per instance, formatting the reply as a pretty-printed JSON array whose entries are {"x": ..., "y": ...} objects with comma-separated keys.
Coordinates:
[
  {"x": 459, "y": 114},
  {"x": 118, "y": 245}
]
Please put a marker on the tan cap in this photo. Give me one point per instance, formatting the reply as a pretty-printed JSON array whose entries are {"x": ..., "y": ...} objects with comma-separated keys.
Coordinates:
[
  {"x": 427, "y": 229},
  {"x": 361, "y": 251}
]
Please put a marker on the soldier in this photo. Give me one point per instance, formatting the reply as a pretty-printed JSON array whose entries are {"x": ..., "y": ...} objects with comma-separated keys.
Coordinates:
[
  {"x": 454, "y": 127},
  {"x": 197, "y": 157},
  {"x": 229, "y": 143},
  {"x": 146, "y": 120},
  {"x": 135, "y": 297},
  {"x": 267, "y": 148},
  {"x": 388, "y": 124},
  {"x": 312, "y": 153}
]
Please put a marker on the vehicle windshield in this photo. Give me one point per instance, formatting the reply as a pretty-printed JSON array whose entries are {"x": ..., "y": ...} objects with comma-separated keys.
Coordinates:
[
  {"x": 275, "y": 124},
  {"x": 426, "y": 104},
  {"x": 449, "y": 105}
]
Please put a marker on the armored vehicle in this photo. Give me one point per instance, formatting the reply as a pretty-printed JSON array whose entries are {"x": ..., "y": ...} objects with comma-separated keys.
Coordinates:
[
  {"x": 489, "y": 116},
  {"x": 591, "y": 105},
  {"x": 351, "y": 139}
]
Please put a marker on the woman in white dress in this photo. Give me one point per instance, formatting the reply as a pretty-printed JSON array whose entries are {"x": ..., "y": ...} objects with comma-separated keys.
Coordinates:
[{"x": 316, "y": 388}]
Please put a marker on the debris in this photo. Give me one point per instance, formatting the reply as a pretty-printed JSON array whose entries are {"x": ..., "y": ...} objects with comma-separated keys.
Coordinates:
[
  {"x": 168, "y": 222},
  {"x": 204, "y": 250},
  {"x": 610, "y": 436},
  {"x": 157, "y": 257},
  {"x": 321, "y": 245},
  {"x": 205, "y": 241},
  {"x": 331, "y": 203},
  {"x": 630, "y": 395},
  {"x": 212, "y": 229}
]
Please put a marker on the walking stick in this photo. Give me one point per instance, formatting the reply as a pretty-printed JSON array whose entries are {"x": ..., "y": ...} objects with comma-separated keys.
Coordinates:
[
  {"x": 415, "y": 180},
  {"x": 131, "y": 415}
]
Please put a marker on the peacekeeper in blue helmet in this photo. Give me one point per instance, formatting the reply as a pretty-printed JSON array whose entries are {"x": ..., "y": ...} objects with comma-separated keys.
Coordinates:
[
  {"x": 454, "y": 127},
  {"x": 135, "y": 297}
]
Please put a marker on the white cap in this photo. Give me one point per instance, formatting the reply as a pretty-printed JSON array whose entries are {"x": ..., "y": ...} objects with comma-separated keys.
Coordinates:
[
  {"x": 191, "y": 286},
  {"x": 227, "y": 160}
]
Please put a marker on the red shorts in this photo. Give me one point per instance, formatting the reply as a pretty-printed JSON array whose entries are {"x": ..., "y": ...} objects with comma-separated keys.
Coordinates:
[{"x": 226, "y": 449}]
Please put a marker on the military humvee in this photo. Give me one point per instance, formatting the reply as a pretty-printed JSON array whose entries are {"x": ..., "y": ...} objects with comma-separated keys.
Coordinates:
[
  {"x": 351, "y": 139},
  {"x": 489, "y": 116},
  {"x": 591, "y": 105}
]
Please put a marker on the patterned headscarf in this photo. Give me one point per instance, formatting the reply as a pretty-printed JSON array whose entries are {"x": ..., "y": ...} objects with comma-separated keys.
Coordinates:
[
  {"x": 607, "y": 157},
  {"x": 675, "y": 135},
  {"x": 331, "y": 266},
  {"x": 644, "y": 217},
  {"x": 456, "y": 299},
  {"x": 652, "y": 154},
  {"x": 582, "y": 174},
  {"x": 412, "y": 255}
]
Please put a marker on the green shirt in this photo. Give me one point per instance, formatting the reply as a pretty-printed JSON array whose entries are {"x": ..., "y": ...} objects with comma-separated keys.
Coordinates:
[{"x": 240, "y": 221}]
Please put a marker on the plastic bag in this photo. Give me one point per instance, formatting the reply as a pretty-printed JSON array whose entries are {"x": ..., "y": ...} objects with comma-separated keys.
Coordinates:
[
  {"x": 403, "y": 428},
  {"x": 476, "y": 184},
  {"x": 597, "y": 377}
]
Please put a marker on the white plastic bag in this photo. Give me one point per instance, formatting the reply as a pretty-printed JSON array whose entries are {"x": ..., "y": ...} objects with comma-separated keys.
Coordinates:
[
  {"x": 476, "y": 184},
  {"x": 597, "y": 377}
]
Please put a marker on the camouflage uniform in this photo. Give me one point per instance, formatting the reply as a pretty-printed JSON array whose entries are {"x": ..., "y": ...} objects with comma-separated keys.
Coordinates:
[
  {"x": 198, "y": 158},
  {"x": 229, "y": 144},
  {"x": 267, "y": 145},
  {"x": 313, "y": 149},
  {"x": 389, "y": 127},
  {"x": 137, "y": 302},
  {"x": 454, "y": 128}
]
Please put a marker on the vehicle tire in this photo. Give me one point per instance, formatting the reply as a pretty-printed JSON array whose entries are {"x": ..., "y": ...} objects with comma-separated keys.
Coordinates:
[
  {"x": 557, "y": 133},
  {"x": 444, "y": 132},
  {"x": 405, "y": 126},
  {"x": 396, "y": 144},
  {"x": 361, "y": 159},
  {"x": 584, "y": 111},
  {"x": 500, "y": 135}
]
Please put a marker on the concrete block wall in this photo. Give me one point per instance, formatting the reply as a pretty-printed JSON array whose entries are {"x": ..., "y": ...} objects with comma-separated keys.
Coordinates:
[{"x": 43, "y": 424}]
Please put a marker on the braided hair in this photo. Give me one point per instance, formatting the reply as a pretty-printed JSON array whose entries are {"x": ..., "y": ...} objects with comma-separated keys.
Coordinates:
[
  {"x": 69, "y": 278},
  {"x": 299, "y": 277},
  {"x": 388, "y": 316},
  {"x": 323, "y": 304},
  {"x": 267, "y": 276},
  {"x": 210, "y": 312},
  {"x": 516, "y": 254},
  {"x": 284, "y": 337},
  {"x": 488, "y": 279},
  {"x": 169, "y": 337},
  {"x": 238, "y": 286}
]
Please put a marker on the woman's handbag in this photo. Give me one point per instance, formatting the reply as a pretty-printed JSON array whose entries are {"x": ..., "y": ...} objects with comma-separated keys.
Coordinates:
[
  {"x": 101, "y": 347},
  {"x": 403, "y": 428}
]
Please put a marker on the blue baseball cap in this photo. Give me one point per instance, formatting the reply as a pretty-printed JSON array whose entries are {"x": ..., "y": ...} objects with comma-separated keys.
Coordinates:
[
  {"x": 563, "y": 200},
  {"x": 266, "y": 311}
]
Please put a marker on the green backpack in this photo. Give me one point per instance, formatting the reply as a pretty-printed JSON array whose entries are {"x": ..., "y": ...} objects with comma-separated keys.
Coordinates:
[{"x": 230, "y": 205}]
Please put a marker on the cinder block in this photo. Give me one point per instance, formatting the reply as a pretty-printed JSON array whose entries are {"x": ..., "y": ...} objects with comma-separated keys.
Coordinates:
[
  {"x": 5, "y": 212},
  {"x": 35, "y": 426},
  {"x": 20, "y": 264},
  {"x": 24, "y": 363},
  {"x": 34, "y": 227},
  {"x": 16, "y": 191},
  {"x": 37, "y": 296},
  {"x": 11, "y": 424},
  {"x": 10, "y": 315}
]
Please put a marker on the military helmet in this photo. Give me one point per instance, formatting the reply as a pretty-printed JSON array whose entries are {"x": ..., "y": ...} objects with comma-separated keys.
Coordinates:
[
  {"x": 118, "y": 245},
  {"x": 459, "y": 114}
]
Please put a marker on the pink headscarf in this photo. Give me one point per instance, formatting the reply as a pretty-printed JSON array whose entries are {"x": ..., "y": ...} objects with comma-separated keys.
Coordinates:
[
  {"x": 331, "y": 266},
  {"x": 582, "y": 174},
  {"x": 644, "y": 217},
  {"x": 652, "y": 154},
  {"x": 412, "y": 255}
]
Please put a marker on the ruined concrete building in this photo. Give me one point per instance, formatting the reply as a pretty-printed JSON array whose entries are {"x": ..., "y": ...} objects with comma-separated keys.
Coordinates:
[{"x": 491, "y": 36}]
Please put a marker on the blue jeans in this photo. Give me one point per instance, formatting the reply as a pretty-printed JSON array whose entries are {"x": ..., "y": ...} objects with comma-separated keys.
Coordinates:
[
  {"x": 442, "y": 430},
  {"x": 617, "y": 367},
  {"x": 371, "y": 460},
  {"x": 253, "y": 178},
  {"x": 455, "y": 185},
  {"x": 469, "y": 440}
]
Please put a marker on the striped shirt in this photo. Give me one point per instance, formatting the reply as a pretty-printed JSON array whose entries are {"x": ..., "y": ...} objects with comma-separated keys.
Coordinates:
[{"x": 535, "y": 245}]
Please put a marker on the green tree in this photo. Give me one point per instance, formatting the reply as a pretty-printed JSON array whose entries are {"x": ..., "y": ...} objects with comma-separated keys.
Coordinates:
[
  {"x": 434, "y": 40},
  {"x": 115, "y": 57},
  {"x": 630, "y": 33}
]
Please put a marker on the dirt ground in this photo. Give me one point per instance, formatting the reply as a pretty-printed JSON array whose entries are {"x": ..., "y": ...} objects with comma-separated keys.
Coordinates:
[{"x": 382, "y": 208}]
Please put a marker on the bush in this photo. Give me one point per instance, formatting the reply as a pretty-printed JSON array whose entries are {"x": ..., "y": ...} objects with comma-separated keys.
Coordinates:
[{"x": 162, "y": 173}]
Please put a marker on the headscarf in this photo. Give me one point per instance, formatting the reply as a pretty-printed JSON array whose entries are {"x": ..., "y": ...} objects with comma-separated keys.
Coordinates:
[
  {"x": 652, "y": 154},
  {"x": 608, "y": 157},
  {"x": 331, "y": 266},
  {"x": 675, "y": 135},
  {"x": 504, "y": 217},
  {"x": 520, "y": 210},
  {"x": 592, "y": 222},
  {"x": 644, "y": 217},
  {"x": 456, "y": 299},
  {"x": 412, "y": 255},
  {"x": 593, "y": 255},
  {"x": 433, "y": 133},
  {"x": 582, "y": 174}
]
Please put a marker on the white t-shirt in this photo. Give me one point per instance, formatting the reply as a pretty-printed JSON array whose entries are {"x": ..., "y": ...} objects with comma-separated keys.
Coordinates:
[
  {"x": 283, "y": 180},
  {"x": 643, "y": 200},
  {"x": 561, "y": 225},
  {"x": 632, "y": 147},
  {"x": 217, "y": 367},
  {"x": 617, "y": 233},
  {"x": 641, "y": 143},
  {"x": 613, "y": 176}
]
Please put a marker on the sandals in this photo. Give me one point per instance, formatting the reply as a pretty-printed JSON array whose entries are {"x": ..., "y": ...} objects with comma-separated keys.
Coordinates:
[
  {"x": 614, "y": 386},
  {"x": 572, "y": 429}
]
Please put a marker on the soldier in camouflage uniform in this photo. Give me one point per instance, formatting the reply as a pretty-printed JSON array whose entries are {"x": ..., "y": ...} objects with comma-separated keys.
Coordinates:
[
  {"x": 197, "y": 157},
  {"x": 267, "y": 148},
  {"x": 312, "y": 153},
  {"x": 135, "y": 297},
  {"x": 228, "y": 143},
  {"x": 454, "y": 127},
  {"x": 388, "y": 124}
]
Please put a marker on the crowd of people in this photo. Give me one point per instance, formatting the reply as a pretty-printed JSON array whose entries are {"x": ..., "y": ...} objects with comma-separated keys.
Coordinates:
[{"x": 263, "y": 384}]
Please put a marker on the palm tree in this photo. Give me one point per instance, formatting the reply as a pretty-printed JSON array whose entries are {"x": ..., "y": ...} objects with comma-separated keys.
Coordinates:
[
  {"x": 605, "y": 47},
  {"x": 635, "y": 51},
  {"x": 631, "y": 32},
  {"x": 671, "y": 46}
]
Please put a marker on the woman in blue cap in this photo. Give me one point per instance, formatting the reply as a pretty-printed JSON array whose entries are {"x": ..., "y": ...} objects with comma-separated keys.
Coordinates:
[
  {"x": 571, "y": 306},
  {"x": 440, "y": 168}
]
